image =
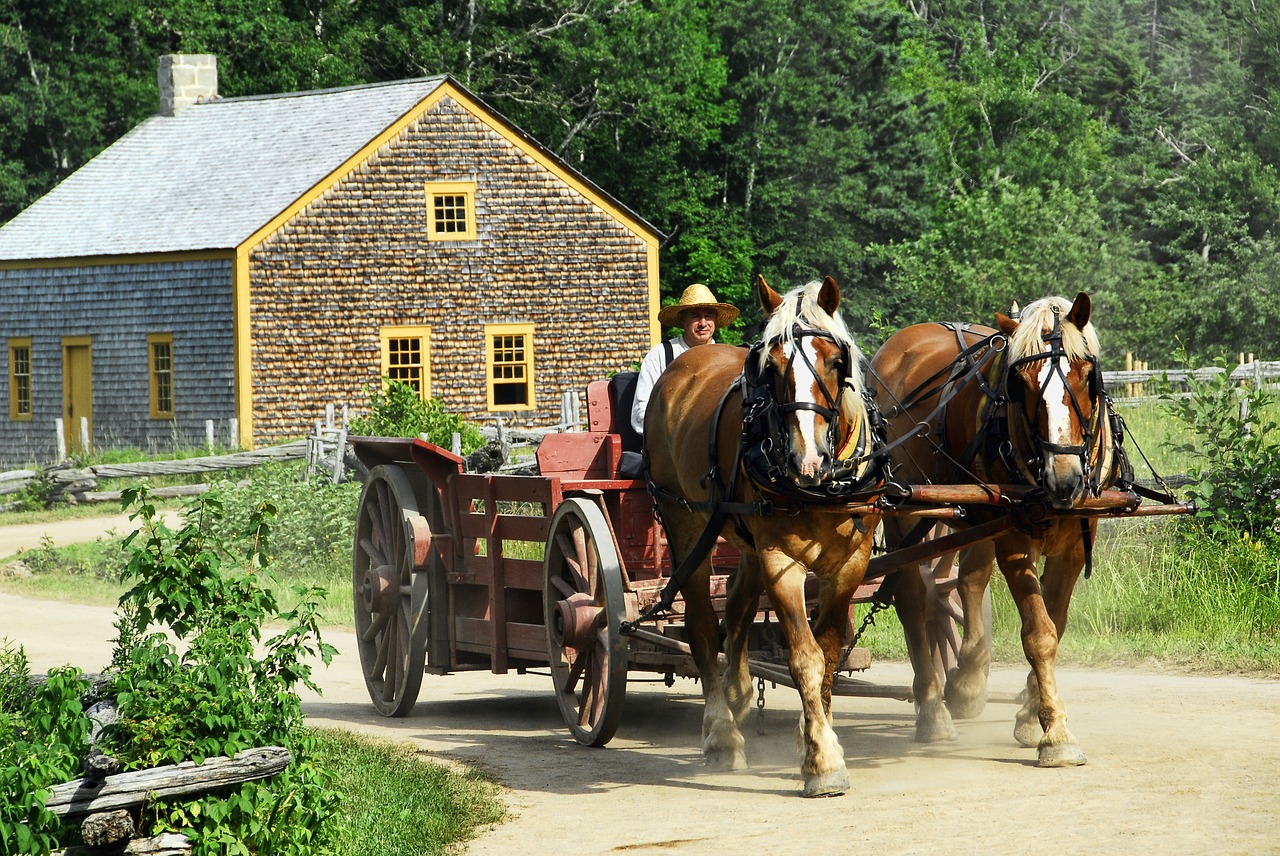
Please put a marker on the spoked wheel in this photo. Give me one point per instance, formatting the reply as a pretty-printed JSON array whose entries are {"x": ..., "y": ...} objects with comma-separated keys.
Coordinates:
[
  {"x": 584, "y": 608},
  {"x": 944, "y": 613},
  {"x": 390, "y": 599}
]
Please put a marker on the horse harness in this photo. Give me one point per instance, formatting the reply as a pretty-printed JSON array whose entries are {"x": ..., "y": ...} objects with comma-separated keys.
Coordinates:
[{"x": 854, "y": 471}]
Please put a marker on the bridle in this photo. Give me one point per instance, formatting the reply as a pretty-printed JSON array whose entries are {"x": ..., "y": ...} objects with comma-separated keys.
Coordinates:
[
  {"x": 767, "y": 445},
  {"x": 1093, "y": 429}
]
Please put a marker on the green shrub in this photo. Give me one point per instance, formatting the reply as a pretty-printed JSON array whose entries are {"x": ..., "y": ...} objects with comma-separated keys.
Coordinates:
[
  {"x": 398, "y": 411},
  {"x": 229, "y": 690},
  {"x": 1235, "y": 457},
  {"x": 43, "y": 737},
  {"x": 313, "y": 524}
]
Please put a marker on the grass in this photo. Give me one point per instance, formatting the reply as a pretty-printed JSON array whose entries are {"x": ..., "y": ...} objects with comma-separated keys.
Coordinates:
[{"x": 394, "y": 803}]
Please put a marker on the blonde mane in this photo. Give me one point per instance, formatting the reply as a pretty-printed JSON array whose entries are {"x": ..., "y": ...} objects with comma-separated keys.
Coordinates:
[
  {"x": 800, "y": 307},
  {"x": 1037, "y": 320}
]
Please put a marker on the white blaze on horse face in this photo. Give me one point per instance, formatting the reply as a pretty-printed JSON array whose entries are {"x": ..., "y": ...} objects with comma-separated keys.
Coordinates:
[
  {"x": 1057, "y": 412},
  {"x": 811, "y": 462}
]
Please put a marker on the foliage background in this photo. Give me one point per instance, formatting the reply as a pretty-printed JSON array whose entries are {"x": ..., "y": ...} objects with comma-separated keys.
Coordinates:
[{"x": 939, "y": 159}]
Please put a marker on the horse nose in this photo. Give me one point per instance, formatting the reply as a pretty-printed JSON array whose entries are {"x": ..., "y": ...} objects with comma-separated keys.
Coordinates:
[
  {"x": 1063, "y": 480},
  {"x": 810, "y": 466}
]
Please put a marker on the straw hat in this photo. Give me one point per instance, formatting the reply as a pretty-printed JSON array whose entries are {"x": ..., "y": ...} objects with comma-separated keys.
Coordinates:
[{"x": 700, "y": 296}]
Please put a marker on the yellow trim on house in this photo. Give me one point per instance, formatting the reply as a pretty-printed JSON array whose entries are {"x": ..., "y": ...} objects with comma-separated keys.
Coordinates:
[
  {"x": 404, "y": 331},
  {"x": 124, "y": 259},
  {"x": 20, "y": 343},
  {"x": 441, "y": 229},
  {"x": 153, "y": 375},
  {"x": 242, "y": 334},
  {"x": 655, "y": 296},
  {"x": 517, "y": 367}
]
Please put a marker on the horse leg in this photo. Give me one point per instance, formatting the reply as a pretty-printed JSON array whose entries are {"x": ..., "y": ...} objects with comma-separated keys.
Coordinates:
[
  {"x": 832, "y": 618},
  {"x": 933, "y": 721},
  {"x": 1056, "y": 747},
  {"x": 966, "y": 691},
  {"x": 822, "y": 762},
  {"x": 741, "y": 606},
  {"x": 722, "y": 743}
]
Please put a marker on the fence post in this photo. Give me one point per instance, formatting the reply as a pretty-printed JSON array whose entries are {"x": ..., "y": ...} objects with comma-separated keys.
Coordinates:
[
  {"x": 328, "y": 416},
  {"x": 233, "y": 433},
  {"x": 455, "y": 444},
  {"x": 340, "y": 455},
  {"x": 59, "y": 429},
  {"x": 208, "y": 434},
  {"x": 84, "y": 435}
]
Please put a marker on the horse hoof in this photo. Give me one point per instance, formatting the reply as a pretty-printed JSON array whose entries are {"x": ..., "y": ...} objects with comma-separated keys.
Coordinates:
[
  {"x": 1028, "y": 733},
  {"x": 970, "y": 707},
  {"x": 831, "y": 784},
  {"x": 933, "y": 724},
  {"x": 1061, "y": 755},
  {"x": 726, "y": 760}
]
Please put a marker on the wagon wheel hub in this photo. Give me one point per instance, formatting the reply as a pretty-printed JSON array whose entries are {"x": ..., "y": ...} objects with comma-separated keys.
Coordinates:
[
  {"x": 379, "y": 593},
  {"x": 577, "y": 621}
]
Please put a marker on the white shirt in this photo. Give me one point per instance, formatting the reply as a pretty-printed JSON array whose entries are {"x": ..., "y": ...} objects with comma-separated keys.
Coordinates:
[{"x": 650, "y": 368}]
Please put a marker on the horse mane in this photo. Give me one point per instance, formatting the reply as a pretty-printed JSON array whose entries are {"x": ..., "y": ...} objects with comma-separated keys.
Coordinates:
[
  {"x": 800, "y": 307},
  {"x": 1037, "y": 319}
]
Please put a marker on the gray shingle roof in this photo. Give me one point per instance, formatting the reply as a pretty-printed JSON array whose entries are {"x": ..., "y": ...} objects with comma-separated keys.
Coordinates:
[{"x": 209, "y": 177}]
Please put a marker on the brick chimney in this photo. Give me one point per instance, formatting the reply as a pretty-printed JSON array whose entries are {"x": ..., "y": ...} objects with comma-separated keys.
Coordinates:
[{"x": 186, "y": 79}]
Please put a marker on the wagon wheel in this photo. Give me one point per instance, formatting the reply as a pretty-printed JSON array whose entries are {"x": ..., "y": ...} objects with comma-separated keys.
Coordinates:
[
  {"x": 390, "y": 599},
  {"x": 944, "y": 615},
  {"x": 584, "y": 609}
]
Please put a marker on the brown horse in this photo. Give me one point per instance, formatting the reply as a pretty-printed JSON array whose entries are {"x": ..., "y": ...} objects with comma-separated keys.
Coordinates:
[
  {"x": 800, "y": 435},
  {"x": 1023, "y": 404}
]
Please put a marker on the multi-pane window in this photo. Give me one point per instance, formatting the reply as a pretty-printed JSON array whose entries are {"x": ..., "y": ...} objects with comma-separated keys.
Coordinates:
[
  {"x": 406, "y": 357},
  {"x": 509, "y": 358},
  {"x": 160, "y": 348},
  {"x": 451, "y": 211},
  {"x": 20, "y": 378}
]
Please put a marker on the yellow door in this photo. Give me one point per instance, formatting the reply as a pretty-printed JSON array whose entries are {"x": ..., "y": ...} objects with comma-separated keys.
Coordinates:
[{"x": 77, "y": 391}]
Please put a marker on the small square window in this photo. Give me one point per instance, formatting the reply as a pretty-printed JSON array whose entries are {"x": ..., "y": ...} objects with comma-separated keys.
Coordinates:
[{"x": 451, "y": 211}]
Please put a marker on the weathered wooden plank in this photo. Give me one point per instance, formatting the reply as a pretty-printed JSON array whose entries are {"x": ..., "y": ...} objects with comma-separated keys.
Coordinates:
[
  {"x": 210, "y": 463},
  {"x": 123, "y": 790},
  {"x": 169, "y": 844}
]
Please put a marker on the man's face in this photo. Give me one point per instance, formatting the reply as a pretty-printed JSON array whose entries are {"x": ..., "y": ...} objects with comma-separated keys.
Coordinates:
[{"x": 699, "y": 325}]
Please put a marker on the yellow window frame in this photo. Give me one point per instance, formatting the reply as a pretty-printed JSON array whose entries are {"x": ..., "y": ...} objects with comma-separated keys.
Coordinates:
[
  {"x": 406, "y": 355},
  {"x": 20, "y": 397},
  {"x": 451, "y": 211},
  {"x": 509, "y": 366},
  {"x": 160, "y": 375}
]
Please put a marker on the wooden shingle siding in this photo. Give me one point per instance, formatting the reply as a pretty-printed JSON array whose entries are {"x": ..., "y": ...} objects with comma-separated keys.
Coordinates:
[
  {"x": 358, "y": 259},
  {"x": 118, "y": 305}
]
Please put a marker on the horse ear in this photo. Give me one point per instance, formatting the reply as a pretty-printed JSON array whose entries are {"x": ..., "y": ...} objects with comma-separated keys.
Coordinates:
[
  {"x": 1006, "y": 324},
  {"x": 770, "y": 300},
  {"x": 1080, "y": 311},
  {"x": 829, "y": 296}
]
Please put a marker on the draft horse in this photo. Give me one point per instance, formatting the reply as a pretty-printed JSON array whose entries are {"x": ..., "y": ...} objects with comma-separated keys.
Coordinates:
[
  {"x": 1021, "y": 404},
  {"x": 760, "y": 439}
]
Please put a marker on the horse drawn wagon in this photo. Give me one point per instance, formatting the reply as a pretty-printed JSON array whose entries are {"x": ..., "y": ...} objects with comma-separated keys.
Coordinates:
[{"x": 590, "y": 571}]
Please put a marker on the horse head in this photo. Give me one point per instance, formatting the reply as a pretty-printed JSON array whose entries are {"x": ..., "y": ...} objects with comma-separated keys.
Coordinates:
[
  {"x": 1054, "y": 381},
  {"x": 812, "y": 368}
]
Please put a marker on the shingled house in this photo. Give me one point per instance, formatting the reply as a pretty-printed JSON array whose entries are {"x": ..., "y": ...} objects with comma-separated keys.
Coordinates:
[{"x": 250, "y": 260}]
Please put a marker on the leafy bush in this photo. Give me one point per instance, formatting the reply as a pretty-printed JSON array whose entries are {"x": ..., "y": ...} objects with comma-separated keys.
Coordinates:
[
  {"x": 43, "y": 736},
  {"x": 229, "y": 690},
  {"x": 1235, "y": 454},
  {"x": 314, "y": 521},
  {"x": 400, "y": 412}
]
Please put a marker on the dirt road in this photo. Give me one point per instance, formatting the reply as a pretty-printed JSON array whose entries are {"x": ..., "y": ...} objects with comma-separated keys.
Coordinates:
[{"x": 1177, "y": 765}]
